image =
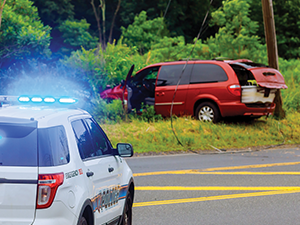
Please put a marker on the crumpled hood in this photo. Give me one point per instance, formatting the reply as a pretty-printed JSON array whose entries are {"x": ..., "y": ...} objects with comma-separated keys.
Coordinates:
[{"x": 268, "y": 77}]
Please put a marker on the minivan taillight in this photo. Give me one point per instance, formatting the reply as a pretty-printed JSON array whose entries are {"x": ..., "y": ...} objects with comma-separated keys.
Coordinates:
[
  {"x": 235, "y": 89},
  {"x": 47, "y": 187}
]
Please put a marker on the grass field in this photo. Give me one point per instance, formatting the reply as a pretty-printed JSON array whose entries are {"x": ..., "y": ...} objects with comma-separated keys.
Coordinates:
[{"x": 158, "y": 137}]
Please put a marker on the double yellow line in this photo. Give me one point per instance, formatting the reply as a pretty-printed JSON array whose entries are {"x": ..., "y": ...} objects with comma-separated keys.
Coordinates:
[{"x": 260, "y": 191}]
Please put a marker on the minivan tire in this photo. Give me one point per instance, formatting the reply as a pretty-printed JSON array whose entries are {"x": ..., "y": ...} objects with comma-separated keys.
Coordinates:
[{"x": 207, "y": 112}]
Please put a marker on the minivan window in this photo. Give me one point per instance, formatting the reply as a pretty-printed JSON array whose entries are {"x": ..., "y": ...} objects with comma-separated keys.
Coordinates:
[
  {"x": 53, "y": 146},
  {"x": 149, "y": 73},
  {"x": 170, "y": 74},
  {"x": 18, "y": 145},
  {"x": 207, "y": 73}
]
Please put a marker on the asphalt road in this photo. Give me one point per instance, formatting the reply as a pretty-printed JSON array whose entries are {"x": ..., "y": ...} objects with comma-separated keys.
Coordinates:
[{"x": 261, "y": 187}]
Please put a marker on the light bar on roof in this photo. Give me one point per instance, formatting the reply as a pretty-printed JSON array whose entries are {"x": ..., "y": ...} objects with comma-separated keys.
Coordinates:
[
  {"x": 47, "y": 100},
  {"x": 36, "y": 99},
  {"x": 67, "y": 100},
  {"x": 24, "y": 99}
]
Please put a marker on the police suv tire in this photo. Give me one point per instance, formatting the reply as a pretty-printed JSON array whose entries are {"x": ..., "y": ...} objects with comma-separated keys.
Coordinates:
[
  {"x": 127, "y": 212},
  {"x": 82, "y": 221},
  {"x": 207, "y": 112}
]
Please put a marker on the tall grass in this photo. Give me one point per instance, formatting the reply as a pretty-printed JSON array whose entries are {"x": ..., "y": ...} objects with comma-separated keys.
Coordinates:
[
  {"x": 195, "y": 135},
  {"x": 291, "y": 72}
]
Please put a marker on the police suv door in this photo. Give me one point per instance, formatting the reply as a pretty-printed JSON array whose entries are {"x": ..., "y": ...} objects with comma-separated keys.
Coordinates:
[{"x": 102, "y": 170}]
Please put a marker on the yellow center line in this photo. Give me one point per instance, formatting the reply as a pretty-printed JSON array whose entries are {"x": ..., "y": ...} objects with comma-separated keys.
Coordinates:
[
  {"x": 253, "y": 166},
  {"x": 208, "y": 171},
  {"x": 182, "y": 172},
  {"x": 212, "y": 198},
  {"x": 216, "y": 188}
]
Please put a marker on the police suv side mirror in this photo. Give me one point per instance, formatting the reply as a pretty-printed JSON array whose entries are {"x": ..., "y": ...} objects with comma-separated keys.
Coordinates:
[{"x": 125, "y": 150}]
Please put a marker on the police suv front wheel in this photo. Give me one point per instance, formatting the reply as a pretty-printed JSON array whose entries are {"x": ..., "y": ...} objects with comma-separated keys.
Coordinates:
[
  {"x": 82, "y": 221},
  {"x": 127, "y": 213}
]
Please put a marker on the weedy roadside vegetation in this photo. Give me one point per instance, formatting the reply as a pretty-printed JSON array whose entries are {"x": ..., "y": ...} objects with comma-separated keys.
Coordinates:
[{"x": 157, "y": 136}]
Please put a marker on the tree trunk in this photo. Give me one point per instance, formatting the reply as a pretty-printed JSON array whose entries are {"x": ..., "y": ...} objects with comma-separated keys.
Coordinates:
[
  {"x": 98, "y": 22},
  {"x": 102, "y": 6},
  {"x": 270, "y": 34},
  {"x": 113, "y": 22}
]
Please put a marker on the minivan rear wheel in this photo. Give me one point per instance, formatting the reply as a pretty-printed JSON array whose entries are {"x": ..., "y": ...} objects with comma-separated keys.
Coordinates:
[{"x": 207, "y": 112}]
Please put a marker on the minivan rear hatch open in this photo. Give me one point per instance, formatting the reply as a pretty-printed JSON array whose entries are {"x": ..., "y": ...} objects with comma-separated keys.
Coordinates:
[
  {"x": 268, "y": 78},
  {"x": 264, "y": 76},
  {"x": 259, "y": 83},
  {"x": 18, "y": 170}
]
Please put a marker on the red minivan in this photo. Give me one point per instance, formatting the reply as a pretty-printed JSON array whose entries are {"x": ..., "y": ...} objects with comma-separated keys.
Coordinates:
[{"x": 206, "y": 89}]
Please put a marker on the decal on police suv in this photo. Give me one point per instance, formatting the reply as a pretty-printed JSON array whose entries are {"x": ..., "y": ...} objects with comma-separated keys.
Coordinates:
[
  {"x": 109, "y": 197},
  {"x": 73, "y": 173}
]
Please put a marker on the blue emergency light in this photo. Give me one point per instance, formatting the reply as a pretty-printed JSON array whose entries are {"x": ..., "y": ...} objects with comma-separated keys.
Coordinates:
[
  {"x": 37, "y": 100},
  {"x": 49, "y": 100},
  {"x": 67, "y": 100}
]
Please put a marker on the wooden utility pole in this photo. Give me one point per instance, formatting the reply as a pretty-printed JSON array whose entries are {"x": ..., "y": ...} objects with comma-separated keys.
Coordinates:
[{"x": 270, "y": 35}]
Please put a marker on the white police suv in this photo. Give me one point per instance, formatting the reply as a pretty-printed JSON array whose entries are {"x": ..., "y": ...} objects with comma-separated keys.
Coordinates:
[{"x": 57, "y": 166}]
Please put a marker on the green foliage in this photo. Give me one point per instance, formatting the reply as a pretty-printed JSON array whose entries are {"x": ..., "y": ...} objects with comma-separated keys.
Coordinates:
[
  {"x": 183, "y": 17},
  {"x": 172, "y": 49},
  {"x": 236, "y": 36},
  {"x": 144, "y": 33},
  {"x": 148, "y": 114},
  {"x": 108, "y": 112},
  {"x": 287, "y": 17},
  {"x": 88, "y": 63},
  {"x": 76, "y": 34},
  {"x": 55, "y": 12},
  {"x": 107, "y": 67},
  {"x": 118, "y": 60},
  {"x": 22, "y": 33},
  {"x": 291, "y": 72}
]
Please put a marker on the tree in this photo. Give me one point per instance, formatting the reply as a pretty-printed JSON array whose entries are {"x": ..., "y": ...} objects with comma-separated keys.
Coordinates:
[
  {"x": 76, "y": 34},
  {"x": 183, "y": 18},
  {"x": 236, "y": 35},
  {"x": 22, "y": 33},
  {"x": 144, "y": 33},
  {"x": 101, "y": 11},
  {"x": 53, "y": 13},
  {"x": 1, "y": 10},
  {"x": 287, "y": 17}
]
